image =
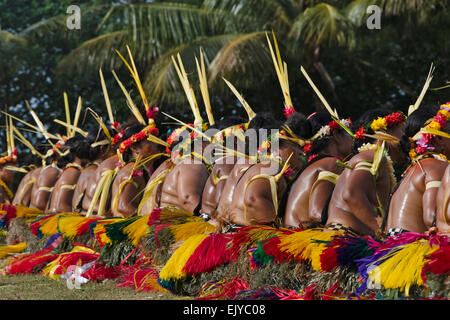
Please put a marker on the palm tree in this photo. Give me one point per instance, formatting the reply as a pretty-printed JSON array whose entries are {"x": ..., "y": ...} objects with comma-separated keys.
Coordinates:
[{"x": 231, "y": 33}]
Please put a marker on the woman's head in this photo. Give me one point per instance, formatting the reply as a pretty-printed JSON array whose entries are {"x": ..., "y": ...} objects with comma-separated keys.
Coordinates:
[
  {"x": 328, "y": 137},
  {"x": 79, "y": 148},
  {"x": 380, "y": 119},
  {"x": 435, "y": 133},
  {"x": 141, "y": 147}
]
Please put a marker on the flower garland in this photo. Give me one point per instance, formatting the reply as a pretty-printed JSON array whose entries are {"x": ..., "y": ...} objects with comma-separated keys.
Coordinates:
[
  {"x": 143, "y": 134},
  {"x": 391, "y": 120},
  {"x": 423, "y": 144},
  {"x": 323, "y": 132},
  {"x": 9, "y": 159},
  {"x": 390, "y": 164},
  {"x": 328, "y": 129}
]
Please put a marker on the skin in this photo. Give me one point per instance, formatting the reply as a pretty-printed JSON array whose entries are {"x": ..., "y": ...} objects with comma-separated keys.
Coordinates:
[
  {"x": 354, "y": 199},
  {"x": 81, "y": 188},
  {"x": 212, "y": 192},
  {"x": 25, "y": 189},
  {"x": 183, "y": 186},
  {"x": 155, "y": 197},
  {"x": 252, "y": 201},
  {"x": 47, "y": 178},
  {"x": 8, "y": 177},
  {"x": 225, "y": 204},
  {"x": 110, "y": 163},
  {"x": 61, "y": 200},
  {"x": 304, "y": 205},
  {"x": 412, "y": 206},
  {"x": 443, "y": 216},
  {"x": 130, "y": 196}
]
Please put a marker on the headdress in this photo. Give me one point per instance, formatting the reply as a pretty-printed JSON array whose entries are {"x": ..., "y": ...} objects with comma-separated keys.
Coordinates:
[{"x": 434, "y": 127}]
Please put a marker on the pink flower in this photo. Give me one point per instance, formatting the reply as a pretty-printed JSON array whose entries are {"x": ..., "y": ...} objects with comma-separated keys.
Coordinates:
[
  {"x": 288, "y": 111},
  {"x": 289, "y": 172},
  {"x": 137, "y": 174}
]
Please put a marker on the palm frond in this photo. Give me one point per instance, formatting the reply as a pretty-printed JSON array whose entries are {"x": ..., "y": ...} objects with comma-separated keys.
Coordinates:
[
  {"x": 7, "y": 38},
  {"x": 162, "y": 81},
  {"x": 244, "y": 54},
  {"x": 323, "y": 24}
]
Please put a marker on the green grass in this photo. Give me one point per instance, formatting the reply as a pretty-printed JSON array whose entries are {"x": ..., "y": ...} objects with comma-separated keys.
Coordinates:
[{"x": 37, "y": 287}]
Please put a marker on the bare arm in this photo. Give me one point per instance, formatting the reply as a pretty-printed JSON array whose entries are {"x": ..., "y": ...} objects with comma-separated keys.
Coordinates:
[
  {"x": 318, "y": 199},
  {"x": 192, "y": 180},
  {"x": 433, "y": 178},
  {"x": 361, "y": 199},
  {"x": 259, "y": 201}
]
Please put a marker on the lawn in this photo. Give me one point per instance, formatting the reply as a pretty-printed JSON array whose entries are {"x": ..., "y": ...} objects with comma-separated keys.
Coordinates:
[{"x": 37, "y": 287}]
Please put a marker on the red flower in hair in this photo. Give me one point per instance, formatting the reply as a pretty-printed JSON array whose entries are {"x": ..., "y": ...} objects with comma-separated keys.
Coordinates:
[
  {"x": 116, "y": 125},
  {"x": 307, "y": 148},
  {"x": 312, "y": 157},
  {"x": 360, "y": 133},
  {"x": 152, "y": 113},
  {"x": 288, "y": 111},
  {"x": 333, "y": 125},
  {"x": 441, "y": 119},
  {"x": 394, "y": 119}
]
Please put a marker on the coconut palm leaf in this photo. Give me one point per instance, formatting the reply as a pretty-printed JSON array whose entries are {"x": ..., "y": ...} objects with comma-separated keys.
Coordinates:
[
  {"x": 323, "y": 24},
  {"x": 162, "y": 81}
]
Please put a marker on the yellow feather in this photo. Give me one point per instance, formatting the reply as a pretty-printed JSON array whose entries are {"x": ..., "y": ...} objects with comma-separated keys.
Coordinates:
[
  {"x": 402, "y": 268},
  {"x": 16, "y": 248},
  {"x": 50, "y": 227},
  {"x": 302, "y": 244},
  {"x": 137, "y": 230},
  {"x": 173, "y": 267},
  {"x": 183, "y": 231}
]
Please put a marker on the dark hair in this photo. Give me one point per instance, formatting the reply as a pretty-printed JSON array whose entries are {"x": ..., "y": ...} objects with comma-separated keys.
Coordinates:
[
  {"x": 55, "y": 154},
  {"x": 417, "y": 119},
  {"x": 317, "y": 121},
  {"x": 227, "y": 122},
  {"x": 63, "y": 161},
  {"x": 299, "y": 125},
  {"x": 95, "y": 135},
  {"x": 79, "y": 147},
  {"x": 365, "y": 119},
  {"x": 129, "y": 132},
  {"x": 264, "y": 120},
  {"x": 414, "y": 123}
]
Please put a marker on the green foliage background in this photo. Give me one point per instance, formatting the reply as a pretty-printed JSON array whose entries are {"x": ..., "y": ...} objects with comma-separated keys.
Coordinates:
[{"x": 355, "y": 68}]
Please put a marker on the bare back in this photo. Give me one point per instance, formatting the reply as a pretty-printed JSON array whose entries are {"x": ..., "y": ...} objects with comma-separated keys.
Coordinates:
[
  {"x": 253, "y": 202},
  {"x": 125, "y": 192},
  {"x": 40, "y": 194},
  {"x": 216, "y": 184},
  {"x": 155, "y": 197},
  {"x": 443, "y": 204},
  {"x": 23, "y": 193},
  {"x": 304, "y": 205},
  {"x": 107, "y": 164},
  {"x": 413, "y": 204},
  {"x": 225, "y": 204},
  {"x": 184, "y": 185},
  {"x": 62, "y": 195},
  {"x": 358, "y": 194},
  {"x": 78, "y": 203}
]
